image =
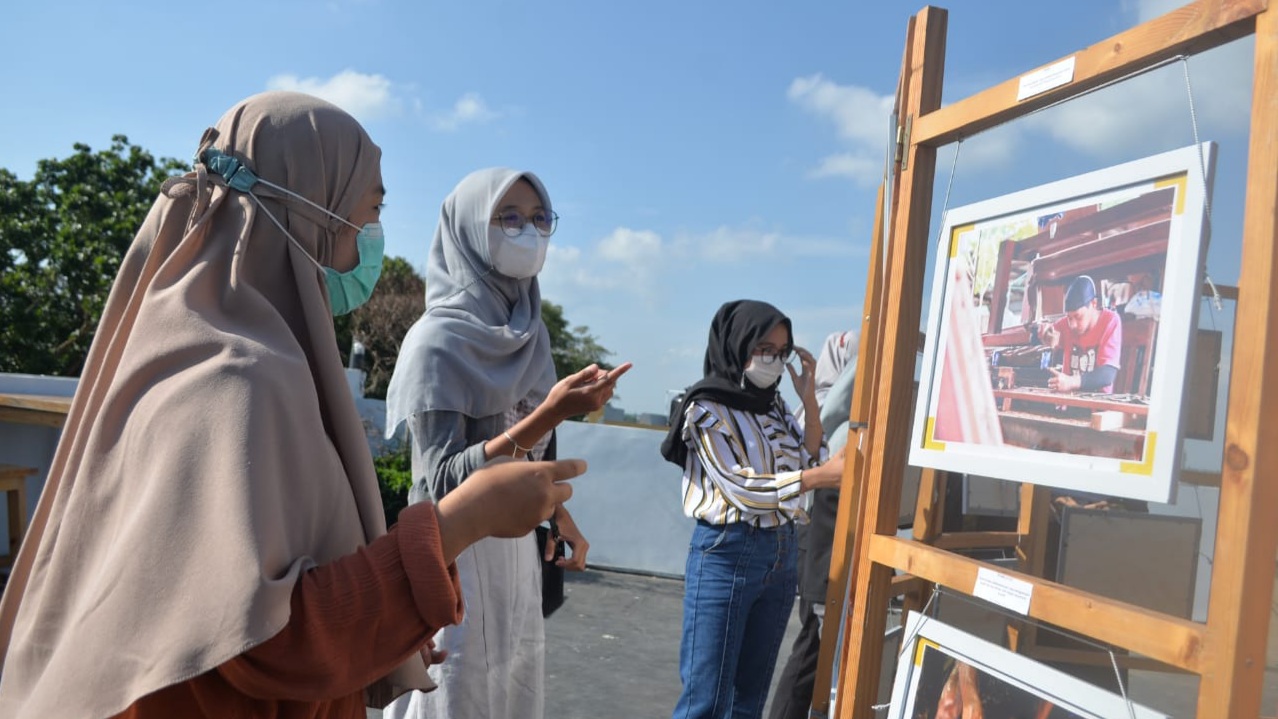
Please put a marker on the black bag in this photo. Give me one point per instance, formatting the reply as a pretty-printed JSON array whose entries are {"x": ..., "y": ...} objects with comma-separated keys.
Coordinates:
[{"x": 552, "y": 575}]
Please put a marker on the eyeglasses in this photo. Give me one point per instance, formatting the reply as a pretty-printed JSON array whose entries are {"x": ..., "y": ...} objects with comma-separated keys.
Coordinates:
[
  {"x": 513, "y": 222},
  {"x": 770, "y": 353}
]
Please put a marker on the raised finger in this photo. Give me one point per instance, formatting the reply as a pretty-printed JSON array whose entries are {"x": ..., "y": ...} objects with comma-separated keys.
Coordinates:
[{"x": 615, "y": 373}]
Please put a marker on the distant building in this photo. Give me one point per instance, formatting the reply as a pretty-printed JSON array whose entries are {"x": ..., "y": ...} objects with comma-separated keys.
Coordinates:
[{"x": 654, "y": 418}]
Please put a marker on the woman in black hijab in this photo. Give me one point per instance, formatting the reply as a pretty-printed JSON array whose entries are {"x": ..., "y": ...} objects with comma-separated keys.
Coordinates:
[{"x": 746, "y": 466}]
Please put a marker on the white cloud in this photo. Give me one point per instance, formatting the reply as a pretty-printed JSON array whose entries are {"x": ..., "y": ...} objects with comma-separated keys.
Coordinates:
[
  {"x": 469, "y": 108},
  {"x": 865, "y": 170},
  {"x": 631, "y": 246},
  {"x": 732, "y": 244},
  {"x": 859, "y": 114},
  {"x": 860, "y": 117},
  {"x": 728, "y": 244},
  {"x": 1151, "y": 112},
  {"x": 367, "y": 97}
]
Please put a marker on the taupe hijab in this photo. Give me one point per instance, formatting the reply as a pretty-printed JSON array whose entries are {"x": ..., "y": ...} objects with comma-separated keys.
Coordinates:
[{"x": 213, "y": 452}]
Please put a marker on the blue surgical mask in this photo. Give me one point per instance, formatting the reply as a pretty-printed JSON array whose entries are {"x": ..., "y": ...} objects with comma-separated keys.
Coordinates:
[
  {"x": 346, "y": 290},
  {"x": 350, "y": 289}
]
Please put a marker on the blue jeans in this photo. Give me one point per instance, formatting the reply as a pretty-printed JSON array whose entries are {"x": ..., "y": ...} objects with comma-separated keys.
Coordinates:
[{"x": 739, "y": 588}]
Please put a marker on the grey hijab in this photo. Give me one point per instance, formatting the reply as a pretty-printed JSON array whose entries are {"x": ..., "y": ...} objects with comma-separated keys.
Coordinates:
[{"x": 480, "y": 346}]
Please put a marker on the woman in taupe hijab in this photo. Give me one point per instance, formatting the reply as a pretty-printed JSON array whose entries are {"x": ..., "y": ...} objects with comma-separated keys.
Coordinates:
[{"x": 210, "y": 541}]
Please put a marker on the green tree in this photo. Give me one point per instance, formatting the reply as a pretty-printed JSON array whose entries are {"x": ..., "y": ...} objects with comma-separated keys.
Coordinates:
[
  {"x": 381, "y": 323},
  {"x": 62, "y": 236},
  {"x": 572, "y": 349}
]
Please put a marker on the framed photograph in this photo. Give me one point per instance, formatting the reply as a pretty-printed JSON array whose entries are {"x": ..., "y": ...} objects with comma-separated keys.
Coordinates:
[
  {"x": 944, "y": 672},
  {"x": 1060, "y": 330}
]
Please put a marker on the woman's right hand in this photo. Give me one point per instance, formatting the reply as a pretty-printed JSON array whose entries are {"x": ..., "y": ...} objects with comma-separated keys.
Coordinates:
[
  {"x": 827, "y": 475},
  {"x": 585, "y": 391},
  {"x": 504, "y": 498}
]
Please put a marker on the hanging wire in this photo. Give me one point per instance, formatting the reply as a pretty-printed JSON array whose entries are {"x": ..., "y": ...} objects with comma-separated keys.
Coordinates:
[
  {"x": 1217, "y": 305},
  {"x": 906, "y": 641},
  {"x": 949, "y": 185}
]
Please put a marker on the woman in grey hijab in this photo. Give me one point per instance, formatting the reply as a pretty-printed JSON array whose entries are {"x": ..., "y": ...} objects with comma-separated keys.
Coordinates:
[{"x": 475, "y": 381}]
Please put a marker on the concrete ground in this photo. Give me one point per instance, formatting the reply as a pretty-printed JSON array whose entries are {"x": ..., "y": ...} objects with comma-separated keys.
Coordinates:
[{"x": 612, "y": 651}]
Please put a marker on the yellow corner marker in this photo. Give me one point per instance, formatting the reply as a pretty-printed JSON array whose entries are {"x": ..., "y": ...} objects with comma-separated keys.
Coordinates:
[
  {"x": 928, "y": 442},
  {"x": 1147, "y": 466}
]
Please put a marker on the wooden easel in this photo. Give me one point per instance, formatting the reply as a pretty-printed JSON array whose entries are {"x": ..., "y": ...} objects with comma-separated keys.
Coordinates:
[{"x": 1228, "y": 651}]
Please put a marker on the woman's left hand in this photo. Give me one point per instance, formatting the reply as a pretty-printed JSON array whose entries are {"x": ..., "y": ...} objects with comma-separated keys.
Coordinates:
[
  {"x": 433, "y": 655},
  {"x": 585, "y": 391},
  {"x": 805, "y": 381},
  {"x": 575, "y": 558}
]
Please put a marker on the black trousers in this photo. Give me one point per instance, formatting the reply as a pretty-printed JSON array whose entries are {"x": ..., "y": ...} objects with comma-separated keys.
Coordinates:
[{"x": 793, "y": 698}]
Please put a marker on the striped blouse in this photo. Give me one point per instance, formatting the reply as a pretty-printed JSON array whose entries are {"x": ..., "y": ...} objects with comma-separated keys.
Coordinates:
[{"x": 744, "y": 467}]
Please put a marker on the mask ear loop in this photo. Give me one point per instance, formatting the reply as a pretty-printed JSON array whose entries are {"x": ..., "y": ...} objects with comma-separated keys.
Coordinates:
[{"x": 238, "y": 176}]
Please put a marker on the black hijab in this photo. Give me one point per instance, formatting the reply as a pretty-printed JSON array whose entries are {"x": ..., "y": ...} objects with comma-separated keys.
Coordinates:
[{"x": 737, "y": 327}]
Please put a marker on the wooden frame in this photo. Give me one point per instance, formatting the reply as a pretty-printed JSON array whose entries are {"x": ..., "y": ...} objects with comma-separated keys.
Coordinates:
[{"x": 1228, "y": 651}]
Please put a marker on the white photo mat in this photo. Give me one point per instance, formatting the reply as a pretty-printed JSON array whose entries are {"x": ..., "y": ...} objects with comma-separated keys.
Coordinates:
[
  {"x": 1011, "y": 685},
  {"x": 977, "y": 230}
]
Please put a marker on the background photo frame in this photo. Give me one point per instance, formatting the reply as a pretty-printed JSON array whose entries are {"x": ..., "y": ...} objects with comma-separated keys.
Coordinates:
[
  {"x": 1128, "y": 243},
  {"x": 941, "y": 667}
]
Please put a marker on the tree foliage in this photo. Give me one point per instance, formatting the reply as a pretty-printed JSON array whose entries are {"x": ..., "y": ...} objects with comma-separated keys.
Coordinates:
[
  {"x": 572, "y": 348},
  {"x": 63, "y": 234},
  {"x": 381, "y": 323}
]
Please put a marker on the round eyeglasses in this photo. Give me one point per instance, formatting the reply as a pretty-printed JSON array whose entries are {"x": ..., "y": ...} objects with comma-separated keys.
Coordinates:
[
  {"x": 513, "y": 222},
  {"x": 769, "y": 354}
]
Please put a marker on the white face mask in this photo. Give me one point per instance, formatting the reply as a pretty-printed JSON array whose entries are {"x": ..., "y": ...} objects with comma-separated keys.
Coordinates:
[
  {"x": 764, "y": 374},
  {"x": 518, "y": 257}
]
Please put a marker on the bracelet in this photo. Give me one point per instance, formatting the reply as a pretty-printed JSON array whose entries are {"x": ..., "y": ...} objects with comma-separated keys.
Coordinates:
[{"x": 516, "y": 446}]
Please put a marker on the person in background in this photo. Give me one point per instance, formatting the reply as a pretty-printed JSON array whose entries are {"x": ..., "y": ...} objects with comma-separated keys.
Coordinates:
[
  {"x": 475, "y": 381},
  {"x": 210, "y": 541},
  {"x": 1090, "y": 339},
  {"x": 835, "y": 376},
  {"x": 746, "y": 467}
]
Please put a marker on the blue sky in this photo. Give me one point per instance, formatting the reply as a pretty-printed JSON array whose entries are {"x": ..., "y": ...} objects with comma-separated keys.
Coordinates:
[{"x": 697, "y": 151}]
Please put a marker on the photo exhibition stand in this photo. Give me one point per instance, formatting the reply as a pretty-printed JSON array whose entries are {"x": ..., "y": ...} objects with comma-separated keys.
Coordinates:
[{"x": 1227, "y": 652}]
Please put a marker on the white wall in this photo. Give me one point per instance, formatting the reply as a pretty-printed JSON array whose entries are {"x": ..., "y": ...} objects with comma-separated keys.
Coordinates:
[
  {"x": 627, "y": 505},
  {"x": 628, "y": 502}
]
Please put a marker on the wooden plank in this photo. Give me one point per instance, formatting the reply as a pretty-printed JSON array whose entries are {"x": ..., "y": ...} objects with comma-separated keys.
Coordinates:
[
  {"x": 846, "y": 522},
  {"x": 908, "y": 584},
  {"x": 1031, "y": 553},
  {"x": 929, "y": 506},
  {"x": 903, "y": 291},
  {"x": 11, "y": 472},
  {"x": 951, "y": 541},
  {"x": 1200, "y": 478},
  {"x": 1246, "y": 536},
  {"x": 47, "y": 411},
  {"x": 929, "y": 521},
  {"x": 1171, "y": 640},
  {"x": 1191, "y": 29},
  {"x": 1226, "y": 292},
  {"x": 851, "y": 509}
]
